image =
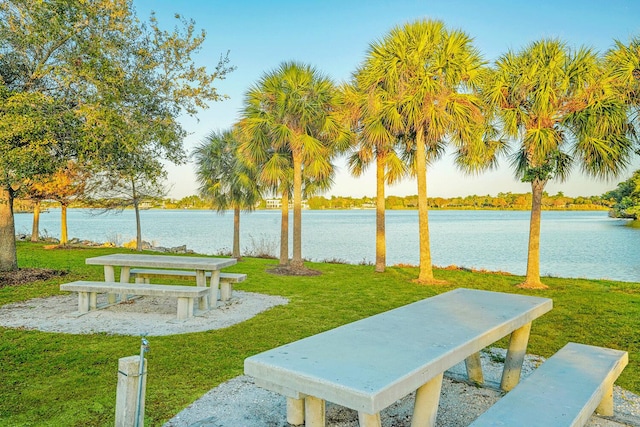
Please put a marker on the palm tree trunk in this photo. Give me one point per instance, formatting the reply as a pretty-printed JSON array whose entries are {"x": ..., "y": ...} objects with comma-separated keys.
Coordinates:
[
  {"x": 426, "y": 270},
  {"x": 296, "y": 261},
  {"x": 532, "y": 280},
  {"x": 284, "y": 230},
  {"x": 63, "y": 225},
  {"x": 35, "y": 227},
  {"x": 8, "y": 255},
  {"x": 236, "y": 232},
  {"x": 381, "y": 250}
]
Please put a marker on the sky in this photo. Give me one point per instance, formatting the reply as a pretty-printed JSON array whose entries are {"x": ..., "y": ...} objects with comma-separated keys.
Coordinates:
[{"x": 334, "y": 35}]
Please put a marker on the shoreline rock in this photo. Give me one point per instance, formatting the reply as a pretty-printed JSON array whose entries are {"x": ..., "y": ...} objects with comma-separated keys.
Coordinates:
[{"x": 182, "y": 249}]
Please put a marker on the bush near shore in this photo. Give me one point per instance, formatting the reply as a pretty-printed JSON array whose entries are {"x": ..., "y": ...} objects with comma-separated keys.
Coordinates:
[{"x": 70, "y": 380}]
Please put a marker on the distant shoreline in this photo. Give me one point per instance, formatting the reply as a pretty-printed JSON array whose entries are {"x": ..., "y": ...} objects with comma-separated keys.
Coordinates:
[{"x": 448, "y": 208}]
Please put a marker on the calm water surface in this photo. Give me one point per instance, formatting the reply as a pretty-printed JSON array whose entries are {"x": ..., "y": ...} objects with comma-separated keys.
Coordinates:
[{"x": 572, "y": 244}]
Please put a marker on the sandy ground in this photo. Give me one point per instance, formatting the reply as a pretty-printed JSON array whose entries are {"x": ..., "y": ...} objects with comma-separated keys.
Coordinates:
[
  {"x": 152, "y": 316},
  {"x": 238, "y": 402}
]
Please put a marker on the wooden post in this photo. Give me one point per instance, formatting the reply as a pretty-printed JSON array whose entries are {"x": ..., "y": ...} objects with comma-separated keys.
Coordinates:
[{"x": 127, "y": 391}]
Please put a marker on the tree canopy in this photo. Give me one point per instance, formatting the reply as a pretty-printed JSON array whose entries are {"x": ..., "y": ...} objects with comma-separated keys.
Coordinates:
[
  {"x": 627, "y": 197},
  {"x": 559, "y": 106},
  {"x": 106, "y": 86},
  {"x": 425, "y": 77},
  {"x": 289, "y": 118}
]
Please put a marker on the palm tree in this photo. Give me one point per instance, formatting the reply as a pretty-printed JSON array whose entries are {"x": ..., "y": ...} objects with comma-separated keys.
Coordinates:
[
  {"x": 290, "y": 110},
  {"x": 426, "y": 76},
  {"x": 374, "y": 141},
  {"x": 560, "y": 106},
  {"x": 274, "y": 173},
  {"x": 224, "y": 179},
  {"x": 623, "y": 62}
]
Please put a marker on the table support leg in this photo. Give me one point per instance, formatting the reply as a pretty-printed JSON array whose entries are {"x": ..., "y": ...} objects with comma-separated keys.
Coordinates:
[
  {"x": 214, "y": 284},
  {"x": 369, "y": 420},
  {"x": 474, "y": 369},
  {"x": 314, "y": 411},
  {"x": 425, "y": 408},
  {"x": 606, "y": 404},
  {"x": 110, "y": 276},
  {"x": 515, "y": 357},
  {"x": 109, "y": 273},
  {"x": 201, "y": 280},
  {"x": 295, "y": 411},
  {"x": 125, "y": 275}
]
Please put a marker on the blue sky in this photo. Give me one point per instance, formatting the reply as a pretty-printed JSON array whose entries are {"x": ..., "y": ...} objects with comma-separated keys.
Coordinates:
[{"x": 333, "y": 36}]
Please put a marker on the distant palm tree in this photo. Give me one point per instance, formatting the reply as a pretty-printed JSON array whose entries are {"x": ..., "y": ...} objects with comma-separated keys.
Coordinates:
[
  {"x": 225, "y": 180},
  {"x": 560, "y": 106},
  {"x": 274, "y": 173},
  {"x": 425, "y": 76},
  {"x": 291, "y": 110},
  {"x": 374, "y": 141}
]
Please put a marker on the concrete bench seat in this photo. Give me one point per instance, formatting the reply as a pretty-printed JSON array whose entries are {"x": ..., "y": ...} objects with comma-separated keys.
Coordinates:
[
  {"x": 88, "y": 290},
  {"x": 564, "y": 391},
  {"x": 142, "y": 275}
]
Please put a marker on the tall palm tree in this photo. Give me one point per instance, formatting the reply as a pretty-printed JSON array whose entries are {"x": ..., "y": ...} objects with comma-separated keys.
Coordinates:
[
  {"x": 224, "y": 179},
  {"x": 560, "y": 106},
  {"x": 623, "y": 62},
  {"x": 291, "y": 109},
  {"x": 374, "y": 141},
  {"x": 426, "y": 76},
  {"x": 274, "y": 171}
]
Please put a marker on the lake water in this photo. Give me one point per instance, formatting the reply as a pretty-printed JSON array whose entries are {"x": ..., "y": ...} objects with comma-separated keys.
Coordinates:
[{"x": 573, "y": 244}]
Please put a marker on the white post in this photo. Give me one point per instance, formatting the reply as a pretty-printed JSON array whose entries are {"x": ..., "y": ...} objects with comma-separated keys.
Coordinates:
[{"x": 127, "y": 391}]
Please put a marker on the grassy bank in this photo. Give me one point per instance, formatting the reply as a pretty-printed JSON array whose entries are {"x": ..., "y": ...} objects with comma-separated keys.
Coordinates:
[{"x": 70, "y": 380}]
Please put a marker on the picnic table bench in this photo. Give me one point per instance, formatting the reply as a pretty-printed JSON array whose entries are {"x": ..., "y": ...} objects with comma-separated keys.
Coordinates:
[
  {"x": 88, "y": 290},
  {"x": 143, "y": 275},
  {"x": 200, "y": 266},
  {"x": 564, "y": 391},
  {"x": 371, "y": 363}
]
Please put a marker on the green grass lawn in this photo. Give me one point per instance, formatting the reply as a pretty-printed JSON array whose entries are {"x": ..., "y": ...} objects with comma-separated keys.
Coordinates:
[{"x": 59, "y": 379}]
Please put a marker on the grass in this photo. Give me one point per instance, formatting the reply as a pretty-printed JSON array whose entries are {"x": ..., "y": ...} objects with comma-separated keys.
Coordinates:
[{"x": 59, "y": 379}]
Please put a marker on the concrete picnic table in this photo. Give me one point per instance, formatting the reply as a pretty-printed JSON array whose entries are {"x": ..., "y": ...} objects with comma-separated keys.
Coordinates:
[
  {"x": 371, "y": 363},
  {"x": 201, "y": 265}
]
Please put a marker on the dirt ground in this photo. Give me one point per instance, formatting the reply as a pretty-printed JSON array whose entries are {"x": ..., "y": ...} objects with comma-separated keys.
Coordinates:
[{"x": 24, "y": 276}]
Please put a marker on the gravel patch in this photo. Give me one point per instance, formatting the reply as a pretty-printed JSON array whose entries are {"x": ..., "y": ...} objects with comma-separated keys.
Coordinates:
[
  {"x": 239, "y": 402},
  {"x": 152, "y": 316}
]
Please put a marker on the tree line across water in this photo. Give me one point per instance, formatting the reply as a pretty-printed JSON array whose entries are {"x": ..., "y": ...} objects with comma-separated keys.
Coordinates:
[{"x": 514, "y": 201}]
